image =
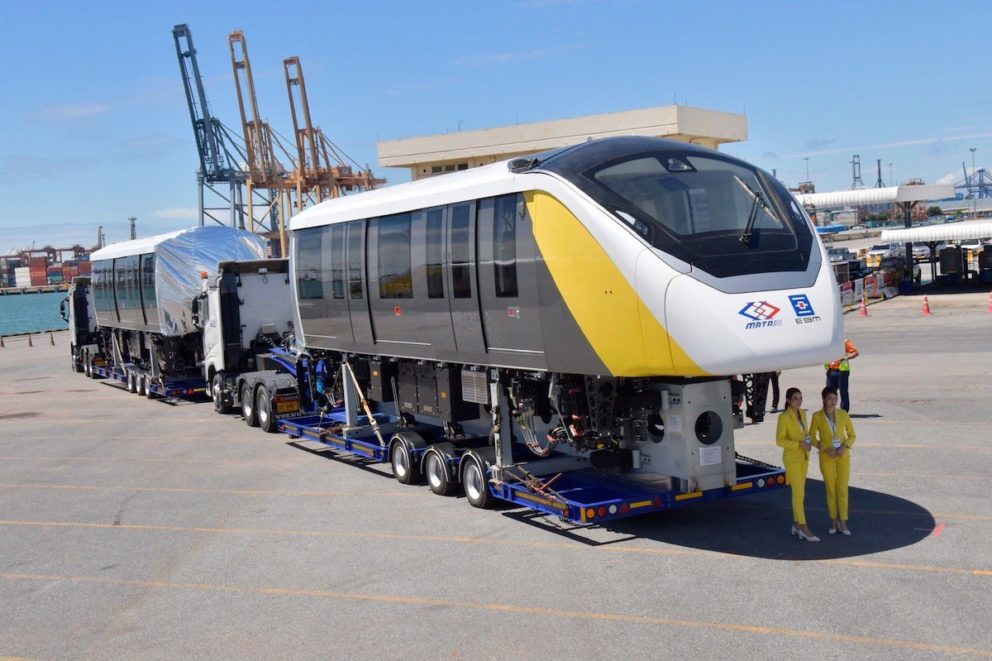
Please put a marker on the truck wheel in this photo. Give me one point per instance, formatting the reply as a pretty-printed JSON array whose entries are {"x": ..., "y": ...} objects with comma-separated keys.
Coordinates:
[
  {"x": 248, "y": 406},
  {"x": 77, "y": 363},
  {"x": 221, "y": 405},
  {"x": 132, "y": 382},
  {"x": 142, "y": 385},
  {"x": 404, "y": 468},
  {"x": 476, "y": 484},
  {"x": 438, "y": 478},
  {"x": 148, "y": 388},
  {"x": 87, "y": 365},
  {"x": 263, "y": 407}
]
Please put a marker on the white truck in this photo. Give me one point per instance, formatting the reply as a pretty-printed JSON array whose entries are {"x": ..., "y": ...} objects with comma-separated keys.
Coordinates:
[{"x": 246, "y": 313}]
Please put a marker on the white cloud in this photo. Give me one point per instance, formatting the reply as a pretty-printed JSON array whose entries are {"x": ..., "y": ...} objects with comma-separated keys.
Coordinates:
[
  {"x": 178, "y": 213},
  {"x": 72, "y": 111},
  {"x": 915, "y": 142}
]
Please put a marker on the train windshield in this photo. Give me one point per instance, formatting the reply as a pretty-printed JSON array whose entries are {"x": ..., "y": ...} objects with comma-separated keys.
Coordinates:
[{"x": 717, "y": 213}]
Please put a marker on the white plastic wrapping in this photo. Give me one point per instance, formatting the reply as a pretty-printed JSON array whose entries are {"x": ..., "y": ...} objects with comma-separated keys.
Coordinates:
[{"x": 180, "y": 257}]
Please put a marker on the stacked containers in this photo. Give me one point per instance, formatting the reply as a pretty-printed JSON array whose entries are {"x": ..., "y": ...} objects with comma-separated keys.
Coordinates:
[
  {"x": 54, "y": 274},
  {"x": 39, "y": 271},
  {"x": 22, "y": 276}
]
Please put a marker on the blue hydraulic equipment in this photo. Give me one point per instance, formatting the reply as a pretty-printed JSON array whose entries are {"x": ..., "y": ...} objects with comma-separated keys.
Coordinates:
[{"x": 219, "y": 152}]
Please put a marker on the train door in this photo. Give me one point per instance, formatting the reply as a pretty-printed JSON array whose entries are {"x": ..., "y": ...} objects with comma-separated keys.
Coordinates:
[
  {"x": 358, "y": 307},
  {"x": 337, "y": 323},
  {"x": 390, "y": 257},
  {"x": 466, "y": 322},
  {"x": 431, "y": 312},
  {"x": 508, "y": 281}
]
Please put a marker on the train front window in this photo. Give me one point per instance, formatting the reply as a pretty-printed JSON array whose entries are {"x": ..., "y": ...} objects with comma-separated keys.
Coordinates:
[{"x": 692, "y": 195}]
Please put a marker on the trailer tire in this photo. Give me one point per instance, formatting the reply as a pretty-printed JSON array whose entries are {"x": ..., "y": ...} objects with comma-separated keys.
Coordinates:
[
  {"x": 87, "y": 365},
  {"x": 438, "y": 478},
  {"x": 263, "y": 409},
  {"x": 404, "y": 467},
  {"x": 217, "y": 394},
  {"x": 148, "y": 388},
  {"x": 248, "y": 405},
  {"x": 142, "y": 385},
  {"x": 476, "y": 483},
  {"x": 132, "y": 381},
  {"x": 77, "y": 361}
]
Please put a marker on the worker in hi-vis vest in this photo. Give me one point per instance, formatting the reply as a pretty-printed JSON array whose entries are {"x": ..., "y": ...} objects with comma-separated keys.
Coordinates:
[
  {"x": 793, "y": 436},
  {"x": 834, "y": 436},
  {"x": 839, "y": 373}
]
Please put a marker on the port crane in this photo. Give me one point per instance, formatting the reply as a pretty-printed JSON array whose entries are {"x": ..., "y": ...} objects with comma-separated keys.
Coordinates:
[{"x": 221, "y": 175}]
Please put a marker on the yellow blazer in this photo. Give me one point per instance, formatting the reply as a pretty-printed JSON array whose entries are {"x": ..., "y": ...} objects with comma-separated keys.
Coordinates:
[
  {"x": 789, "y": 435},
  {"x": 824, "y": 437}
]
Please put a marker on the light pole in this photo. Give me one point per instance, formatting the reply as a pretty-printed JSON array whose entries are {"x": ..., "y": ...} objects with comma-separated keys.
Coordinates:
[
  {"x": 892, "y": 182},
  {"x": 806, "y": 158},
  {"x": 974, "y": 196}
]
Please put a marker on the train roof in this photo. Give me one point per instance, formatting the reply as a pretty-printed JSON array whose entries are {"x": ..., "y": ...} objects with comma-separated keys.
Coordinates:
[
  {"x": 141, "y": 246},
  {"x": 484, "y": 181},
  {"x": 200, "y": 237},
  {"x": 404, "y": 197}
]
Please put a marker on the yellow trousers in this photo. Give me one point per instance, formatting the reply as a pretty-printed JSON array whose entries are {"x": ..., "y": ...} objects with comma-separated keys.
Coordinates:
[
  {"x": 795, "y": 475},
  {"x": 836, "y": 475}
]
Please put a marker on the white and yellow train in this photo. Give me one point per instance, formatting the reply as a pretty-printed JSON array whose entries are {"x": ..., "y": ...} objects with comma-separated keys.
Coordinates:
[{"x": 608, "y": 288}]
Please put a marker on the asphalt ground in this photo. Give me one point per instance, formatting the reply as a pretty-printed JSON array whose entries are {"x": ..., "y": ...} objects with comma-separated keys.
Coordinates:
[{"x": 132, "y": 528}]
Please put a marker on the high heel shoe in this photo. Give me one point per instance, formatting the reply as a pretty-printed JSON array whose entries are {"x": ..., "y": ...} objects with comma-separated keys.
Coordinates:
[{"x": 801, "y": 535}]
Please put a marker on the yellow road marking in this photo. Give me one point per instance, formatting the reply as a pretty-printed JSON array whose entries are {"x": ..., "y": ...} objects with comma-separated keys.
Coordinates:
[
  {"x": 907, "y": 446},
  {"x": 152, "y": 460},
  {"x": 561, "y": 613},
  {"x": 459, "y": 539},
  {"x": 233, "y": 492}
]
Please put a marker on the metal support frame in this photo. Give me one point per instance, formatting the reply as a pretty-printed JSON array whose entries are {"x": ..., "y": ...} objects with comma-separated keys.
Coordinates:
[
  {"x": 351, "y": 399},
  {"x": 502, "y": 425}
]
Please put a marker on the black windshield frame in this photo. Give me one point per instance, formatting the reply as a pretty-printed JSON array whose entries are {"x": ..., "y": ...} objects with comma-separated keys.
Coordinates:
[{"x": 720, "y": 253}]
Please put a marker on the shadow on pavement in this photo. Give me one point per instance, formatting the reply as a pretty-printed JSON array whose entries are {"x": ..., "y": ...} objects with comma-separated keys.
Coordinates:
[{"x": 758, "y": 526}]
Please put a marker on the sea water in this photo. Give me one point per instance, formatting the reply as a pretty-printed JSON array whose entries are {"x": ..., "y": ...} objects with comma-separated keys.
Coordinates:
[{"x": 30, "y": 313}]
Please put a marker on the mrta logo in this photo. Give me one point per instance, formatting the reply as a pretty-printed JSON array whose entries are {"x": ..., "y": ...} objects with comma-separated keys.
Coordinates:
[{"x": 761, "y": 313}]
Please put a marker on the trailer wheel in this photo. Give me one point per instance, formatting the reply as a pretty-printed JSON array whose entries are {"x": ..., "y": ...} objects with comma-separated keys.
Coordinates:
[
  {"x": 263, "y": 408},
  {"x": 132, "y": 382},
  {"x": 87, "y": 365},
  {"x": 142, "y": 385},
  {"x": 217, "y": 394},
  {"x": 404, "y": 468},
  {"x": 248, "y": 406},
  {"x": 148, "y": 388},
  {"x": 77, "y": 363},
  {"x": 438, "y": 478},
  {"x": 476, "y": 484}
]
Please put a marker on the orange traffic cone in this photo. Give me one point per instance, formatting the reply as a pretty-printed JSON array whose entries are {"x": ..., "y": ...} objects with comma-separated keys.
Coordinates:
[
  {"x": 51, "y": 339},
  {"x": 926, "y": 307},
  {"x": 864, "y": 307},
  {"x": 30, "y": 343},
  {"x": 2, "y": 345}
]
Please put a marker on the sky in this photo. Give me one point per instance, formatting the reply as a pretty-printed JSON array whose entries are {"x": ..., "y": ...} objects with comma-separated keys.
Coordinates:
[{"x": 94, "y": 126}]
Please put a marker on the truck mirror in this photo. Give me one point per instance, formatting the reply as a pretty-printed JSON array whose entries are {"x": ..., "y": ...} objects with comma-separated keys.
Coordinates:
[{"x": 64, "y": 310}]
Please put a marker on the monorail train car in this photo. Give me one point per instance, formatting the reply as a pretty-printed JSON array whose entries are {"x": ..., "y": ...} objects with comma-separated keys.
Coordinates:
[
  {"x": 144, "y": 295},
  {"x": 588, "y": 302}
]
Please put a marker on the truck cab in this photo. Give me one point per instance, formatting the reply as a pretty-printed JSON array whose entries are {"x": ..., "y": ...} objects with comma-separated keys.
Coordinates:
[
  {"x": 77, "y": 310},
  {"x": 245, "y": 312}
]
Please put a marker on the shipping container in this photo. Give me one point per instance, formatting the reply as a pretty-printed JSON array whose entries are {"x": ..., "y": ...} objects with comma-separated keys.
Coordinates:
[
  {"x": 38, "y": 278},
  {"x": 38, "y": 263},
  {"x": 54, "y": 278},
  {"x": 85, "y": 268}
]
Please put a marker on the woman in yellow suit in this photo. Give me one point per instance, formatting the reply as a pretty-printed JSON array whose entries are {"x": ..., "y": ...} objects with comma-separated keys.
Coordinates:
[
  {"x": 834, "y": 436},
  {"x": 793, "y": 434}
]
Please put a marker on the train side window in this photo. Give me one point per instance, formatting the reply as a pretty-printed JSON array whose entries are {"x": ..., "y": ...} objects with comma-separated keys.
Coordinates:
[
  {"x": 505, "y": 246},
  {"x": 356, "y": 252},
  {"x": 394, "y": 242},
  {"x": 461, "y": 257},
  {"x": 148, "y": 280},
  {"x": 435, "y": 253},
  {"x": 337, "y": 261},
  {"x": 308, "y": 283}
]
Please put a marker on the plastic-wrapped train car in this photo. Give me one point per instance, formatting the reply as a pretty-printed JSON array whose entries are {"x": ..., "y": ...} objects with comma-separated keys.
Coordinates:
[{"x": 144, "y": 296}]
